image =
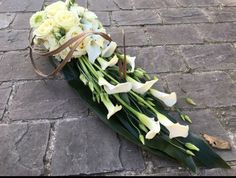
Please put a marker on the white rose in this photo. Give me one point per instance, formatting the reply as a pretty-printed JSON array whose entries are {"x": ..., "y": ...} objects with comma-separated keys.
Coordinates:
[
  {"x": 37, "y": 19},
  {"x": 52, "y": 9},
  {"x": 66, "y": 19},
  {"x": 51, "y": 43},
  {"x": 45, "y": 29}
]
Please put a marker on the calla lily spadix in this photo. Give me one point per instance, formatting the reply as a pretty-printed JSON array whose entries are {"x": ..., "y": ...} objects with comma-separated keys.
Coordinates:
[
  {"x": 113, "y": 89},
  {"x": 175, "y": 129},
  {"x": 169, "y": 99},
  {"x": 141, "y": 88},
  {"x": 109, "y": 105},
  {"x": 104, "y": 64},
  {"x": 151, "y": 124},
  {"x": 109, "y": 50}
]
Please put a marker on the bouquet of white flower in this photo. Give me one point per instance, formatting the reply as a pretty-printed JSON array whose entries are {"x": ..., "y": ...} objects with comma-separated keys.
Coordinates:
[{"x": 121, "y": 94}]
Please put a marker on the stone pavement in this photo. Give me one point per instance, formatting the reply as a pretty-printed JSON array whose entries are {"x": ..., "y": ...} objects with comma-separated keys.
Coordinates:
[{"x": 46, "y": 130}]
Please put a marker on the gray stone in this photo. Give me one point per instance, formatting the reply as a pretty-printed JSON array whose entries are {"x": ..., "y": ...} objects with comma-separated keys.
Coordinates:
[
  {"x": 23, "y": 148},
  {"x": 136, "y": 17},
  {"x": 124, "y": 4},
  {"x": 209, "y": 89},
  {"x": 13, "y": 40},
  {"x": 228, "y": 118},
  {"x": 22, "y": 5},
  {"x": 182, "y": 15},
  {"x": 205, "y": 122},
  {"x": 131, "y": 156},
  {"x": 49, "y": 99},
  {"x": 225, "y": 14},
  {"x": 218, "y": 172},
  {"x": 104, "y": 17},
  {"x": 85, "y": 146},
  {"x": 210, "y": 57},
  {"x": 6, "y": 20},
  {"x": 219, "y": 32},
  {"x": 228, "y": 2},
  {"x": 79, "y": 2},
  {"x": 173, "y": 34},
  {"x": 198, "y": 3},
  {"x": 21, "y": 22},
  {"x": 105, "y": 5},
  {"x": 158, "y": 59},
  {"x": 17, "y": 66},
  {"x": 135, "y": 36},
  {"x": 153, "y": 4},
  {"x": 5, "y": 91}
]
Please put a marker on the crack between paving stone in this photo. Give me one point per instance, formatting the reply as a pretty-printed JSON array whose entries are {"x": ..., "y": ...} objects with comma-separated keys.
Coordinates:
[
  {"x": 7, "y": 104},
  {"x": 47, "y": 159},
  {"x": 120, "y": 150},
  {"x": 22, "y": 136}
]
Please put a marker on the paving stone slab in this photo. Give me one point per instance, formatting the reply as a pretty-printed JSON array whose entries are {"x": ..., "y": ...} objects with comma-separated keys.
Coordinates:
[
  {"x": 209, "y": 89},
  {"x": 167, "y": 34},
  {"x": 21, "y": 21},
  {"x": 131, "y": 156},
  {"x": 104, "y": 17},
  {"x": 224, "y": 14},
  {"x": 105, "y": 5},
  {"x": 158, "y": 59},
  {"x": 80, "y": 2},
  {"x": 23, "y": 148},
  {"x": 46, "y": 100},
  {"x": 22, "y": 5},
  {"x": 135, "y": 36},
  {"x": 228, "y": 2},
  {"x": 6, "y": 19},
  {"x": 219, "y": 32},
  {"x": 182, "y": 15},
  {"x": 136, "y": 17},
  {"x": 198, "y": 3},
  {"x": 150, "y": 4},
  {"x": 16, "y": 65},
  {"x": 210, "y": 57},
  {"x": 5, "y": 91},
  {"x": 85, "y": 146},
  {"x": 13, "y": 40}
]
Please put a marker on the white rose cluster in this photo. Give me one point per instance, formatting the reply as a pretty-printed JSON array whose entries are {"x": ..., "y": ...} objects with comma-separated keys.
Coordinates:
[{"x": 60, "y": 21}]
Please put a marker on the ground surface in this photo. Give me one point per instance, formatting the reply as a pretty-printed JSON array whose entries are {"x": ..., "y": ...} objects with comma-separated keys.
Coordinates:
[{"x": 46, "y": 130}]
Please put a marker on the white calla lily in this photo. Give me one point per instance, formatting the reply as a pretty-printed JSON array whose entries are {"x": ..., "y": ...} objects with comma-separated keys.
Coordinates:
[
  {"x": 113, "y": 89},
  {"x": 169, "y": 99},
  {"x": 93, "y": 50},
  {"x": 141, "y": 88},
  {"x": 109, "y": 105},
  {"x": 131, "y": 61},
  {"x": 104, "y": 64},
  {"x": 151, "y": 124},
  {"x": 175, "y": 129},
  {"x": 109, "y": 50}
]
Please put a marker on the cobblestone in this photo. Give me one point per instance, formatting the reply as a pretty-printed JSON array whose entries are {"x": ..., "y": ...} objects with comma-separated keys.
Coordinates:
[{"x": 45, "y": 129}]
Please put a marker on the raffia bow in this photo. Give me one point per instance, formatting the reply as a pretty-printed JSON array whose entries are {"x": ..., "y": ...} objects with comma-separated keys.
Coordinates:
[{"x": 73, "y": 43}]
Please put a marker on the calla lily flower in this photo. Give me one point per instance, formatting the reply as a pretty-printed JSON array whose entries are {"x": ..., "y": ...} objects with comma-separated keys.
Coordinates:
[
  {"x": 109, "y": 50},
  {"x": 131, "y": 61},
  {"x": 109, "y": 105},
  {"x": 151, "y": 124},
  {"x": 141, "y": 88},
  {"x": 168, "y": 99},
  {"x": 111, "y": 89},
  {"x": 175, "y": 129},
  {"x": 104, "y": 64}
]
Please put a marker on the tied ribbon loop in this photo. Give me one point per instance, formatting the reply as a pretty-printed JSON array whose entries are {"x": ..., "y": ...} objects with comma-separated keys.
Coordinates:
[{"x": 73, "y": 43}]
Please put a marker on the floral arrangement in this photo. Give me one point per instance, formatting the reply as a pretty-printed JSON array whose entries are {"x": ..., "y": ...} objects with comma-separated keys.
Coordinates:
[{"x": 121, "y": 94}]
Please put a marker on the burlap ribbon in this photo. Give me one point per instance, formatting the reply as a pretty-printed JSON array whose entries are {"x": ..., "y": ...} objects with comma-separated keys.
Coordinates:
[{"x": 73, "y": 43}]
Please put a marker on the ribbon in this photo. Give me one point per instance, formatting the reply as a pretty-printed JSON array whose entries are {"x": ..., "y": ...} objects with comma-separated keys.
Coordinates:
[{"x": 75, "y": 42}]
